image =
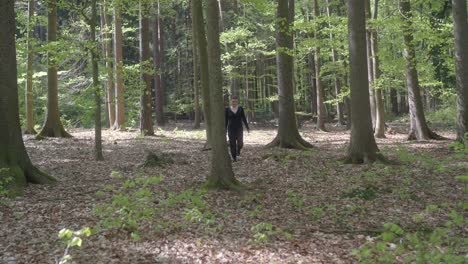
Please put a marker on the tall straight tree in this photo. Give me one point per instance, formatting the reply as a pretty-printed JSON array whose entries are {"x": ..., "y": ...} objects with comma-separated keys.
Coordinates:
[
  {"x": 363, "y": 147},
  {"x": 157, "y": 59},
  {"x": 196, "y": 87},
  {"x": 321, "y": 110},
  {"x": 419, "y": 129},
  {"x": 97, "y": 90},
  {"x": 288, "y": 134},
  {"x": 14, "y": 160},
  {"x": 221, "y": 174},
  {"x": 199, "y": 27},
  {"x": 52, "y": 125},
  {"x": 107, "y": 47},
  {"x": 370, "y": 68},
  {"x": 146, "y": 117},
  {"x": 118, "y": 69},
  {"x": 461, "y": 56},
  {"x": 29, "y": 72}
]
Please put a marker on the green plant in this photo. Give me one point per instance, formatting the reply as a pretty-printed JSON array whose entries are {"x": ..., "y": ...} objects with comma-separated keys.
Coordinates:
[
  {"x": 263, "y": 232},
  {"x": 317, "y": 212},
  {"x": 72, "y": 239},
  {"x": 296, "y": 199}
]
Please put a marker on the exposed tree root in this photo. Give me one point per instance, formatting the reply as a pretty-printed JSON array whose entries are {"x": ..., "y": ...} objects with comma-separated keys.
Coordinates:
[
  {"x": 30, "y": 132},
  {"x": 297, "y": 143},
  {"x": 57, "y": 131},
  {"x": 431, "y": 136},
  {"x": 221, "y": 184},
  {"x": 366, "y": 158}
]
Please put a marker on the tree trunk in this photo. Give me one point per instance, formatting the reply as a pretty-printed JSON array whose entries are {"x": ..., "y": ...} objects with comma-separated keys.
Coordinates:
[
  {"x": 321, "y": 111},
  {"x": 379, "y": 129},
  {"x": 221, "y": 174},
  {"x": 14, "y": 160},
  {"x": 118, "y": 71},
  {"x": 146, "y": 119},
  {"x": 29, "y": 72},
  {"x": 394, "y": 101},
  {"x": 52, "y": 125},
  {"x": 157, "y": 54},
  {"x": 363, "y": 147},
  {"x": 339, "y": 105},
  {"x": 313, "y": 94},
  {"x": 97, "y": 87},
  {"x": 107, "y": 45},
  {"x": 370, "y": 67},
  {"x": 199, "y": 25},
  {"x": 288, "y": 134},
  {"x": 461, "y": 57},
  {"x": 196, "y": 87},
  {"x": 418, "y": 128}
]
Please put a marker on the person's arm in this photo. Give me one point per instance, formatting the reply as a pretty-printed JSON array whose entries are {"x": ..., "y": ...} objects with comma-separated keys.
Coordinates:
[{"x": 244, "y": 119}]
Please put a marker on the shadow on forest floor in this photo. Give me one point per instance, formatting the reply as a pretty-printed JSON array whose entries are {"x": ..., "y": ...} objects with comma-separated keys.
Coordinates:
[{"x": 300, "y": 206}]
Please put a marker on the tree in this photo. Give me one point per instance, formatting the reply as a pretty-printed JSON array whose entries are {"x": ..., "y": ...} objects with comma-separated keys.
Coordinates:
[
  {"x": 461, "y": 57},
  {"x": 14, "y": 160},
  {"x": 118, "y": 69},
  {"x": 363, "y": 147},
  {"x": 196, "y": 87},
  {"x": 199, "y": 26},
  {"x": 321, "y": 110},
  {"x": 52, "y": 125},
  {"x": 288, "y": 135},
  {"x": 157, "y": 57},
  {"x": 146, "y": 119},
  {"x": 29, "y": 72},
  {"x": 221, "y": 174},
  {"x": 107, "y": 47},
  {"x": 418, "y": 128}
]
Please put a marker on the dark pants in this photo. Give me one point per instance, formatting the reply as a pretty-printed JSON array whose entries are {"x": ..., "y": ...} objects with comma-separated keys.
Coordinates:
[{"x": 236, "y": 141}]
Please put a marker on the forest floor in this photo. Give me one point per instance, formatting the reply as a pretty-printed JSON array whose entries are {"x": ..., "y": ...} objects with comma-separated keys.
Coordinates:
[{"x": 298, "y": 206}]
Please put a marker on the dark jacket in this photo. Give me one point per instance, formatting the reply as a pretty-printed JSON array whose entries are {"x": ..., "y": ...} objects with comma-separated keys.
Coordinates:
[{"x": 234, "y": 120}]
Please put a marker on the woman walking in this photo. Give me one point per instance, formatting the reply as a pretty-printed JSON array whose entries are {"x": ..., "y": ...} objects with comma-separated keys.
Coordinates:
[{"x": 235, "y": 116}]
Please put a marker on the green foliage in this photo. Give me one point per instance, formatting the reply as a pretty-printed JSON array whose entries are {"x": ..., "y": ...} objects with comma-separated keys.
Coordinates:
[
  {"x": 445, "y": 116},
  {"x": 72, "y": 239},
  {"x": 296, "y": 199},
  {"x": 263, "y": 232},
  {"x": 5, "y": 183}
]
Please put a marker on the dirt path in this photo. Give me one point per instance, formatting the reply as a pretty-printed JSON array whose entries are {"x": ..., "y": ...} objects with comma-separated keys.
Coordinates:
[{"x": 303, "y": 194}]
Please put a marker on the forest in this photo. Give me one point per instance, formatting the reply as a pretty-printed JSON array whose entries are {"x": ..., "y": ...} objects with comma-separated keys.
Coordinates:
[{"x": 233, "y": 131}]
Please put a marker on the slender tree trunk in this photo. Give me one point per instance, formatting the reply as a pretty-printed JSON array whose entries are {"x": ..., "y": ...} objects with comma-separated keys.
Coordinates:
[
  {"x": 339, "y": 105},
  {"x": 370, "y": 67},
  {"x": 197, "y": 13},
  {"x": 29, "y": 72},
  {"x": 221, "y": 174},
  {"x": 321, "y": 111},
  {"x": 118, "y": 71},
  {"x": 52, "y": 125},
  {"x": 107, "y": 44},
  {"x": 146, "y": 119},
  {"x": 196, "y": 87},
  {"x": 313, "y": 77},
  {"x": 379, "y": 129},
  {"x": 418, "y": 129},
  {"x": 157, "y": 54},
  {"x": 363, "y": 147},
  {"x": 288, "y": 134},
  {"x": 461, "y": 58},
  {"x": 97, "y": 86},
  {"x": 394, "y": 101},
  {"x": 14, "y": 160}
]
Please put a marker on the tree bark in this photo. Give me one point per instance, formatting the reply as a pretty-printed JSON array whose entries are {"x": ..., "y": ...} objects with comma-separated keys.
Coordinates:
[
  {"x": 197, "y": 13},
  {"x": 118, "y": 71},
  {"x": 196, "y": 87},
  {"x": 29, "y": 72},
  {"x": 221, "y": 174},
  {"x": 146, "y": 119},
  {"x": 370, "y": 67},
  {"x": 313, "y": 77},
  {"x": 394, "y": 101},
  {"x": 461, "y": 59},
  {"x": 52, "y": 125},
  {"x": 288, "y": 134},
  {"x": 418, "y": 128},
  {"x": 107, "y": 46},
  {"x": 362, "y": 148},
  {"x": 14, "y": 160},
  {"x": 379, "y": 129},
  {"x": 321, "y": 110},
  {"x": 157, "y": 54}
]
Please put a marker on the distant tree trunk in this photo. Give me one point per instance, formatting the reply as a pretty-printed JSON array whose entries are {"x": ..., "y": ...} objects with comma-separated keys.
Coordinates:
[
  {"x": 52, "y": 125},
  {"x": 221, "y": 174},
  {"x": 107, "y": 45},
  {"x": 370, "y": 67},
  {"x": 29, "y": 72},
  {"x": 157, "y": 54},
  {"x": 97, "y": 86},
  {"x": 146, "y": 119},
  {"x": 394, "y": 101},
  {"x": 321, "y": 111},
  {"x": 363, "y": 147},
  {"x": 379, "y": 129},
  {"x": 461, "y": 46},
  {"x": 199, "y": 25},
  {"x": 339, "y": 105},
  {"x": 14, "y": 160},
  {"x": 288, "y": 134},
  {"x": 313, "y": 94},
  {"x": 418, "y": 129},
  {"x": 118, "y": 71},
  {"x": 196, "y": 87}
]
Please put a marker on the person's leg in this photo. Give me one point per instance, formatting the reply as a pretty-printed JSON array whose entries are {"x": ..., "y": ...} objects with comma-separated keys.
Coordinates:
[
  {"x": 240, "y": 141},
  {"x": 232, "y": 144}
]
